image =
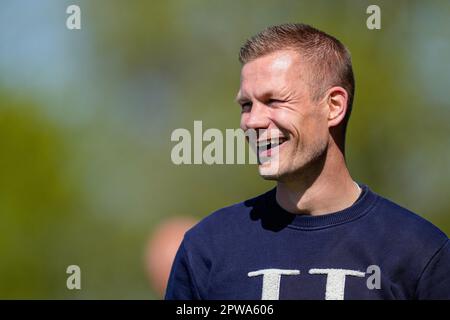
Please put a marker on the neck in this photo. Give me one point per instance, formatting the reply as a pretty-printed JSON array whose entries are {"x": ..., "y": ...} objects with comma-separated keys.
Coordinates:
[{"x": 326, "y": 188}]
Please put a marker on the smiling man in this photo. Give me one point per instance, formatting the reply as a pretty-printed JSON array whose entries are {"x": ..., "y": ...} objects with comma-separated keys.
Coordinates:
[{"x": 318, "y": 234}]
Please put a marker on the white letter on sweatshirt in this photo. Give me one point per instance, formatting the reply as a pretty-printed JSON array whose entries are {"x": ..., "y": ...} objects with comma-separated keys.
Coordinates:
[
  {"x": 271, "y": 281},
  {"x": 336, "y": 281}
]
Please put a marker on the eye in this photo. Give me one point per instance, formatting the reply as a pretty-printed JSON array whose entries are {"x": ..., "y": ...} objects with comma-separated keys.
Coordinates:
[
  {"x": 274, "y": 101},
  {"x": 246, "y": 106}
]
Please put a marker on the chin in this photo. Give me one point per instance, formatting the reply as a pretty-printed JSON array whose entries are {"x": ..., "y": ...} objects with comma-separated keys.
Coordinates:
[
  {"x": 274, "y": 172},
  {"x": 269, "y": 177},
  {"x": 269, "y": 171}
]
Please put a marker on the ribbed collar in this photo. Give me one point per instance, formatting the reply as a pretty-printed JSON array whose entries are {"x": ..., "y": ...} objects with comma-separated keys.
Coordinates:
[{"x": 360, "y": 207}]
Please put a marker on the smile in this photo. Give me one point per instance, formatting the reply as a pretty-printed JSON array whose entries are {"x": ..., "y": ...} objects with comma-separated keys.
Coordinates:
[
  {"x": 271, "y": 143},
  {"x": 269, "y": 148}
]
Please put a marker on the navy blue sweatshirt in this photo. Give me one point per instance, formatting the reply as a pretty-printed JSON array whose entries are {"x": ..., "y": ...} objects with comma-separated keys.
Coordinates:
[{"x": 255, "y": 249}]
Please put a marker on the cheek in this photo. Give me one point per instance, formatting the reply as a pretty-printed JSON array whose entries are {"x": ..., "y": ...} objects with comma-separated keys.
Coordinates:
[
  {"x": 287, "y": 120},
  {"x": 309, "y": 127},
  {"x": 318, "y": 130},
  {"x": 315, "y": 116}
]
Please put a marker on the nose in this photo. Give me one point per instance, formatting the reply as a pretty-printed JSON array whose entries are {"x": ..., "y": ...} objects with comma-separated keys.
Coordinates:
[{"x": 256, "y": 118}]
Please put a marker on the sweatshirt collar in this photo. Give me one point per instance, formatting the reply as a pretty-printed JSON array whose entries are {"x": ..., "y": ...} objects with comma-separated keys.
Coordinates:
[{"x": 360, "y": 207}]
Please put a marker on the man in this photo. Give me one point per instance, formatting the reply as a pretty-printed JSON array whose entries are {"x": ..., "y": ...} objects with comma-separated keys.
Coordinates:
[{"x": 318, "y": 234}]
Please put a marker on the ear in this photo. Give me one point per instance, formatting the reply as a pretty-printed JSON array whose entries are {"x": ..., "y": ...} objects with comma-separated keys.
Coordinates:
[{"x": 336, "y": 100}]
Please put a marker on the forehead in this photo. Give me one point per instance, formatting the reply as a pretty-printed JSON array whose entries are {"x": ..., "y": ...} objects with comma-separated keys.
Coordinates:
[{"x": 271, "y": 72}]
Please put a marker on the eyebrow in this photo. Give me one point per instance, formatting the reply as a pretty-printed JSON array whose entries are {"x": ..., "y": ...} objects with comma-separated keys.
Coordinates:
[
  {"x": 240, "y": 98},
  {"x": 264, "y": 95}
]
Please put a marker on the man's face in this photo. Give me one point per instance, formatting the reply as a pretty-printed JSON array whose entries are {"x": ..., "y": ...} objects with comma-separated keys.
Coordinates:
[{"x": 277, "y": 102}]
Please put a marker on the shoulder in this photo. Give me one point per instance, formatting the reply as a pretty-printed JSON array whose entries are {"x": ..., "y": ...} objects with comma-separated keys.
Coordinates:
[
  {"x": 407, "y": 225},
  {"x": 227, "y": 220}
]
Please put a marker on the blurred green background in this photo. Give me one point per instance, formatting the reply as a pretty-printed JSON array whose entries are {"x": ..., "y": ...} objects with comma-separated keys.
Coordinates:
[{"x": 86, "y": 117}]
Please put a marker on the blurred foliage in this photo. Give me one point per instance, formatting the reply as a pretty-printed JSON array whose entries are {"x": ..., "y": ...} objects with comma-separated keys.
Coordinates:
[{"x": 86, "y": 118}]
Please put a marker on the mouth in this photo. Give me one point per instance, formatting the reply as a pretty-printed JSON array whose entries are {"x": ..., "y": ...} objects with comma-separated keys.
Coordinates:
[{"x": 267, "y": 148}]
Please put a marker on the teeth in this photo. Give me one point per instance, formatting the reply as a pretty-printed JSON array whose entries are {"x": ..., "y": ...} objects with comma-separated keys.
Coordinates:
[{"x": 273, "y": 142}]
